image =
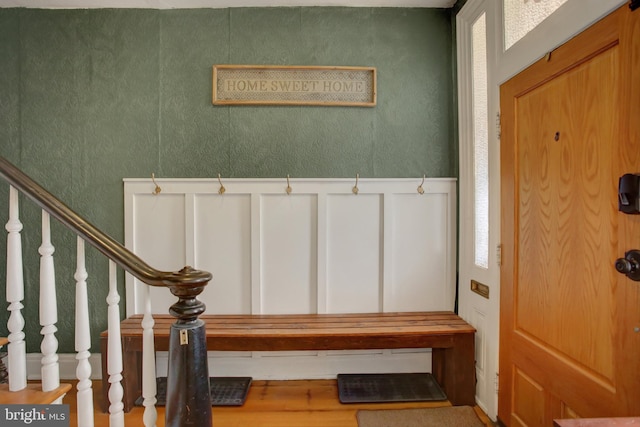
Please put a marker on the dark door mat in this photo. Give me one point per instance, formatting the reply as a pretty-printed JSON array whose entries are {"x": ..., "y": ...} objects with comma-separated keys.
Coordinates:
[
  {"x": 225, "y": 391},
  {"x": 371, "y": 388}
]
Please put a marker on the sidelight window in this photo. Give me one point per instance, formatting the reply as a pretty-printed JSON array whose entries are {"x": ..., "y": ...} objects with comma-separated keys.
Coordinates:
[{"x": 480, "y": 141}]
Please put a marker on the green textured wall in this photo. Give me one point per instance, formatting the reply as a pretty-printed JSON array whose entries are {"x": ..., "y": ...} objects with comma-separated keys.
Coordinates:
[{"x": 88, "y": 97}]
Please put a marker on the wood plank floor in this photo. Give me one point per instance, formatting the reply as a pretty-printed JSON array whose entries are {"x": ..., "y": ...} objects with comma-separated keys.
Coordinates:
[{"x": 305, "y": 403}]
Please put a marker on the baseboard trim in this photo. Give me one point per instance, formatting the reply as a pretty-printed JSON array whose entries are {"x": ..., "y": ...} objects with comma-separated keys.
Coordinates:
[
  {"x": 269, "y": 365},
  {"x": 67, "y": 363},
  {"x": 309, "y": 365}
]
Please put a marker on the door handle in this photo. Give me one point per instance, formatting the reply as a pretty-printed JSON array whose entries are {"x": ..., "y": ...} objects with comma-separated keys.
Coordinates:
[{"x": 630, "y": 265}]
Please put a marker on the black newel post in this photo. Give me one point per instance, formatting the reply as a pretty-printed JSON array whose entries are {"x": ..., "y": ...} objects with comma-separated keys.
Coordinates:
[{"x": 188, "y": 395}]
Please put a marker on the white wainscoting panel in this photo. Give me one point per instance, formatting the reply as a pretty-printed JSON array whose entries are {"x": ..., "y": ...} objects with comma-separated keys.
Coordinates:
[
  {"x": 420, "y": 253},
  {"x": 222, "y": 245},
  {"x": 288, "y": 252},
  {"x": 353, "y": 253},
  {"x": 318, "y": 249},
  {"x": 159, "y": 223}
]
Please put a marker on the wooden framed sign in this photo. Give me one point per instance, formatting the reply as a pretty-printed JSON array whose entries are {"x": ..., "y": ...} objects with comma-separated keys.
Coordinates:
[{"x": 293, "y": 85}]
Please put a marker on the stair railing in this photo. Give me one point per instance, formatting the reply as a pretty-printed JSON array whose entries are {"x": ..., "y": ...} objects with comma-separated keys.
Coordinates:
[{"x": 188, "y": 398}]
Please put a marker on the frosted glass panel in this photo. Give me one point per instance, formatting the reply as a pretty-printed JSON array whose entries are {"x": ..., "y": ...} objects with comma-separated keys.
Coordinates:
[
  {"x": 522, "y": 16},
  {"x": 480, "y": 142}
]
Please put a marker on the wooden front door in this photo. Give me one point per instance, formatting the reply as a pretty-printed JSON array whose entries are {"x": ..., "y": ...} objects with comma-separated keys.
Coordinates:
[{"x": 570, "y": 323}]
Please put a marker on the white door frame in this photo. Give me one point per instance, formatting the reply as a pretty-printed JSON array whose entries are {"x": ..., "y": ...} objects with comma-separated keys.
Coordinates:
[
  {"x": 569, "y": 20},
  {"x": 479, "y": 311}
]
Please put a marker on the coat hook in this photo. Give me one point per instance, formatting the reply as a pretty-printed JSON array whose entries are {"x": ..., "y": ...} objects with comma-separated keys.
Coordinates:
[
  {"x": 420, "y": 189},
  {"x": 222, "y": 189},
  {"x": 288, "y": 185},
  {"x": 355, "y": 188},
  {"x": 157, "y": 190}
]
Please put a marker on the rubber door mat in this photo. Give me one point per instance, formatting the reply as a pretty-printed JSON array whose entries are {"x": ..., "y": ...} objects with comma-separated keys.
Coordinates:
[
  {"x": 225, "y": 391},
  {"x": 371, "y": 388}
]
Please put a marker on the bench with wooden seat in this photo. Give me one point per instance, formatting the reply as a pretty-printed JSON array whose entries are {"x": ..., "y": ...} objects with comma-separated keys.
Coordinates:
[{"x": 450, "y": 337}]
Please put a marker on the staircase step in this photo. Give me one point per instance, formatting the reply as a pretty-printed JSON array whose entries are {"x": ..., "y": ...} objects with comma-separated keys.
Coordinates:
[{"x": 32, "y": 395}]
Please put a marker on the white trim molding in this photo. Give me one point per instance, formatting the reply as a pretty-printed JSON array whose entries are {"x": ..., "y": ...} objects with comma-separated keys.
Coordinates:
[
  {"x": 68, "y": 364},
  {"x": 301, "y": 365},
  {"x": 480, "y": 312}
]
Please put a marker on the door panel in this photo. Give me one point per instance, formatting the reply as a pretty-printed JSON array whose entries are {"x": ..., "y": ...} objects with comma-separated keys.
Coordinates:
[
  {"x": 568, "y": 318},
  {"x": 528, "y": 398},
  {"x": 567, "y": 215}
]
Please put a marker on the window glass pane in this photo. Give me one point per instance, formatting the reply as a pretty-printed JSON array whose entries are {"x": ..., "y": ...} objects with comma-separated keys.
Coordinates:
[
  {"x": 480, "y": 142},
  {"x": 522, "y": 16}
]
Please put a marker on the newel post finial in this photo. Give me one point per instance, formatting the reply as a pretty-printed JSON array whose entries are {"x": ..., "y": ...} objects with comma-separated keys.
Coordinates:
[{"x": 188, "y": 307}]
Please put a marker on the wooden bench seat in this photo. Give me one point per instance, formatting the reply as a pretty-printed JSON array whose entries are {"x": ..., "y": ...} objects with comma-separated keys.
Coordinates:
[{"x": 450, "y": 337}]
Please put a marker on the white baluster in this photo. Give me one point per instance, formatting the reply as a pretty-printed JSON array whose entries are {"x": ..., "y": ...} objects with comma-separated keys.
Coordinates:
[
  {"x": 148, "y": 364},
  {"x": 114, "y": 354},
  {"x": 83, "y": 342},
  {"x": 48, "y": 311},
  {"x": 15, "y": 294}
]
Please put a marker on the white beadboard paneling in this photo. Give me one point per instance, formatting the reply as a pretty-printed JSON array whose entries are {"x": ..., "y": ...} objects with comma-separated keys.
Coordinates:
[
  {"x": 354, "y": 245},
  {"x": 223, "y": 245},
  {"x": 420, "y": 252},
  {"x": 288, "y": 253}
]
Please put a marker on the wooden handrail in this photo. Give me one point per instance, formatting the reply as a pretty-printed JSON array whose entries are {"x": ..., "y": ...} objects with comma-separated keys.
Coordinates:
[
  {"x": 185, "y": 278},
  {"x": 188, "y": 378}
]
